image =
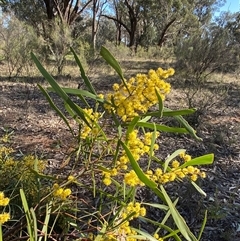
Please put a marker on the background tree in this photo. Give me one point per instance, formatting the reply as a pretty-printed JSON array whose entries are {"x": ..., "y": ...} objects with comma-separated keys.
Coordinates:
[
  {"x": 176, "y": 25},
  {"x": 97, "y": 9},
  {"x": 127, "y": 15},
  {"x": 209, "y": 49},
  {"x": 67, "y": 10},
  {"x": 17, "y": 40},
  {"x": 158, "y": 22}
]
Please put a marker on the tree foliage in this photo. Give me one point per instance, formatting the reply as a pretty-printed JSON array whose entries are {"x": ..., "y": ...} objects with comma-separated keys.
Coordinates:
[
  {"x": 210, "y": 49},
  {"x": 67, "y": 10},
  {"x": 185, "y": 26}
]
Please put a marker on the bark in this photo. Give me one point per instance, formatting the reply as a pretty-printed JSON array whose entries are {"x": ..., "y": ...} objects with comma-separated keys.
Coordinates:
[
  {"x": 163, "y": 35},
  {"x": 133, "y": 19},
  {"x": 49, "y": 8},
  {"x": 67, "y": 10},
  {"x": 133, "y": 15}
]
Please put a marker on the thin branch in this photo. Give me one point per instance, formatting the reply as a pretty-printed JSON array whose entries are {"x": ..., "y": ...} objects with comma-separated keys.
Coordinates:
[
  {"x": 161, "y": 40},
  {"x": 118, "y": 21}
]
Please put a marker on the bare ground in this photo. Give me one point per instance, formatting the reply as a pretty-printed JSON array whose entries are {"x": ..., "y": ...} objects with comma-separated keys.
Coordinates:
[{"x": 37, "y": 129}]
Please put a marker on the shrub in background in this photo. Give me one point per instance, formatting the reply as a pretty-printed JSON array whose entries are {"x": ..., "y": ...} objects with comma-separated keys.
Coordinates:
[
  {"x": 17, "y": 41},
  {"x": 58, "y": 40}
]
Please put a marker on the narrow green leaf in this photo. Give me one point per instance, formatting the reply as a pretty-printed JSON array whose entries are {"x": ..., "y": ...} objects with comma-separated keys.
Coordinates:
[
  {"x": 58, "y": 111},
  {"x": 39, "y": 175},
  {"x": 83, "y": 75},
  {"x": 171, "y": 235},
  {"x": 153, "y": 113},
  {"x": 34, "y": 221},
  {"x": 199, "y": 189},
  {"x": 169, "y": 112},
  {"x": 163, "y": 128},
  {"x": 111, "y": 61},
  {"x": 129, "y": 216},
  {"x": 30, "y": 226},
  {"x": 146, "y": 119},
  {"x": 166, "y": 217},
  {"x": 84, "y": 101},
  {"x": 160, "y": 104},
  {"x": 137, "y": 237},
  {"x": 156, "y": 205},
  {"x": 151, "y": 184},
  {"x": 202, "y": 160},
  {"x": 190, "y": 130},
  {"x": 159, "y": 194},
  {"x": 46, "y": 221},
  {"x": 137, "y": 168},
  {"x": 80, "y": 92},
  {"x": 144, "y": 234},
  {"x": 170, "y": 158},
  {"x": 153, "y": 140},
  {"x": 168, "y": 229},
  {"x": 1, "y": 233},
  {"x": 132, "y": 124},
  {"x": 59, "y": 90},
  {"x": 72, "y": 113},
  {"x": 178, "y": 219},
  {"x": 203, "y": 226}
]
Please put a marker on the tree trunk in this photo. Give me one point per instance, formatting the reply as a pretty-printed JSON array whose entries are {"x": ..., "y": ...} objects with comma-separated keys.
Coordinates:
[
  {"x": 119, "y": 34},
  {"x": 163, "y": 38},
  {"x": 68, "y": 12},
  {"x": 94, "y": 11}
]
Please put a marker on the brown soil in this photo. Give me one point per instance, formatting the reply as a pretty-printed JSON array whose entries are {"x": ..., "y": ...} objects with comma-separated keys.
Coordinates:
[{"x": 37, "y": 129}]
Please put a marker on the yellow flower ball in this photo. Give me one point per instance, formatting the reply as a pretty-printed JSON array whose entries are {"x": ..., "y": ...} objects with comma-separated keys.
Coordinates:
[
  {"x": 107, "y": 181},
  {"x": 4, "y": 217},
  {"x": 4, "y": 201},
  {"x": 175, "y": 164},
  {"x": 194, "y": 177},
  {"x": 71, "y": 178}
]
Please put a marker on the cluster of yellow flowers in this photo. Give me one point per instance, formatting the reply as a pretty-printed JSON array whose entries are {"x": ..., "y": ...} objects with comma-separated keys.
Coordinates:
[
  {"x": 92, "y": 118},
  {"x": 60, "y": 192},
  {"x": 133, "y": 207},
  {"x": 4, "y": 201},
  {"x": 156, "y": 236},
  {"x": 138, "y": 148},
  {"x": 29, "y": 163},
  {"x": 5, "y": 138},
  {"x": 124, "y": 230},
  {"x": 138, "y": 94},
  {"x": 176, "y": 172},
  {"x": 71, "y": 178},
  {"x": 132, "y": 179},
  {"x": 5, "y": 151},
  {"x": 19, "y": 169}
]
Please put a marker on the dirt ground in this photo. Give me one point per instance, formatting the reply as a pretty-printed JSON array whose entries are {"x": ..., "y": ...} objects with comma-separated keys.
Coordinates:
[{"x": 37, "y": 129}]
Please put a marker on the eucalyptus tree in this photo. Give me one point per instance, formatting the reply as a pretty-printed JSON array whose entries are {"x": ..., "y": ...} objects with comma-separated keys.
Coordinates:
[
  {"x": 32, "y": 12},
  {"x": 66, "y": 10},
  {"x": 158, "y": 22},
  {"x": 98, "y": 7},
  {"x": 126, "y": 14}
]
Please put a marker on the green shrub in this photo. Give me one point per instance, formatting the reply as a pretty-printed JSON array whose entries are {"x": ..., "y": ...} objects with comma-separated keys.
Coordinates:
[
  {"x": 17, "y": 41},
  {"x": 114, "y": 142},
  {"x": 114, "y": 157},
  {"x": 19, "y": 173}
]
